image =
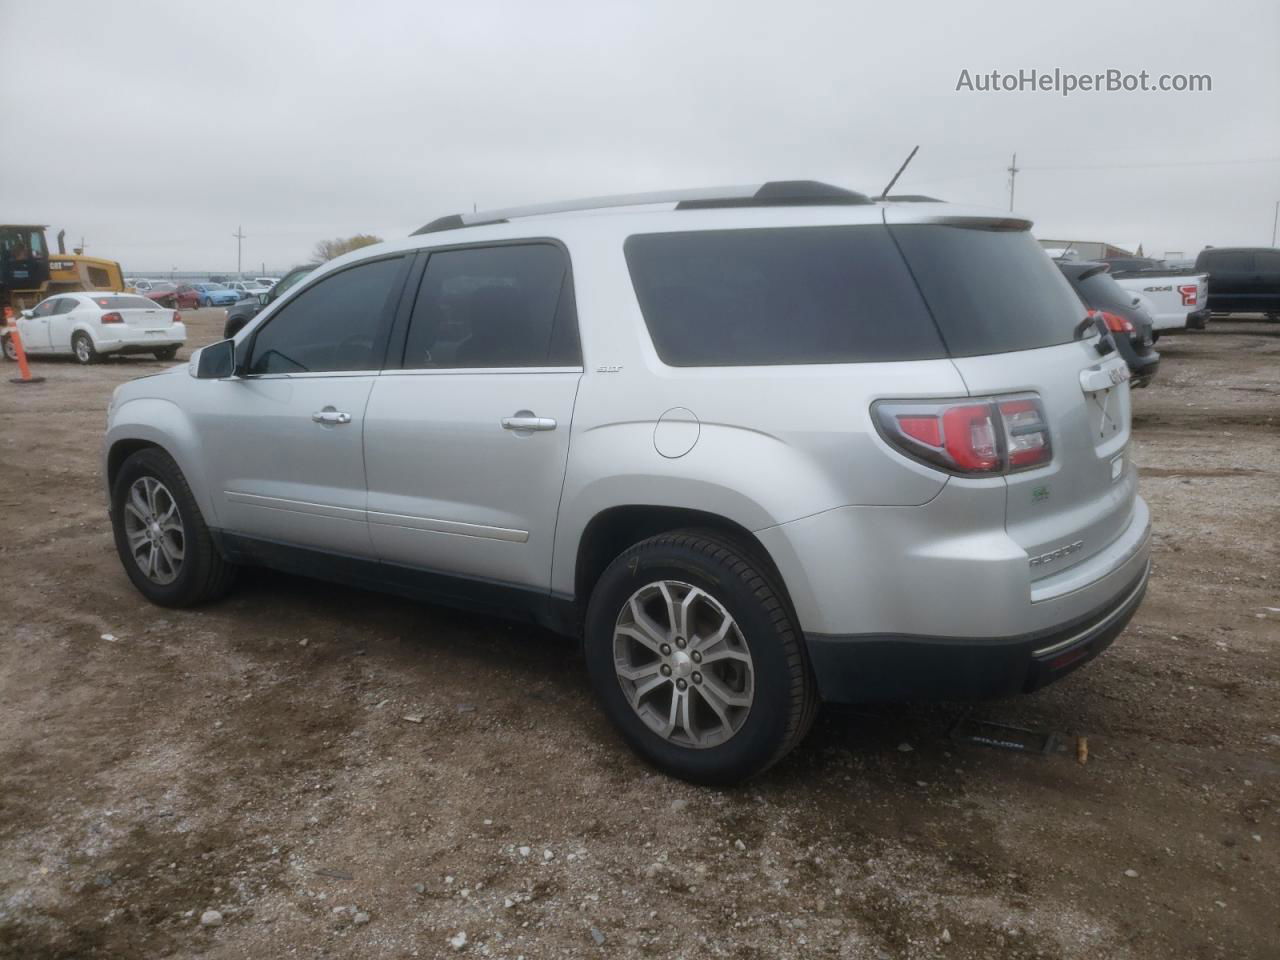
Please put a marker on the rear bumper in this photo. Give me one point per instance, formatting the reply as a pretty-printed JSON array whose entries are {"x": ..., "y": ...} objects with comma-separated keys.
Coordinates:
[
  {"x": 138, "y": 340},
  {"x": 868, "y": 669},
  {"x": 1142, "y": 366},
  {"x": 1198, "y": 319}
]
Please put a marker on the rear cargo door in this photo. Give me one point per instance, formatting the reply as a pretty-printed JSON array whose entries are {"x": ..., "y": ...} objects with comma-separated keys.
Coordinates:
[
  {"x": 1009, "y": 319},
  {"x": 1081, "y": 500}
]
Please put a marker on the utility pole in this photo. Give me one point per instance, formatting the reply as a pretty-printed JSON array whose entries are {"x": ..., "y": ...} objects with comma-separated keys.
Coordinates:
[
  {"x": 239, "y": 235},
  {"x": 1013, "y": 173}
]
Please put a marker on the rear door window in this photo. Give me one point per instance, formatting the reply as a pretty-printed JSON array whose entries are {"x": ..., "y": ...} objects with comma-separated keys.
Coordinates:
[
  {"x": 989, "y": 290},
  {"x": 793, "y": 295},
  {"x": 484, "y": 307},
  {"x": 338, "y": 323}
]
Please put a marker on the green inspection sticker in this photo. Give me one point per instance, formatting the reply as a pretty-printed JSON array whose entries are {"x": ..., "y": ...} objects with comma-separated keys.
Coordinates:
[{"x": 1039, "y": 494}]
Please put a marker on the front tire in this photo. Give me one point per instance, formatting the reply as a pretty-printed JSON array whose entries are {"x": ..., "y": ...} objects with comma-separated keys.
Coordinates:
[
  {"x": 10, "y": 349},
  {"x": 82, "y": 347},
  {"x": 695, "y": 656},
  {"x": 161, "y": 536}
]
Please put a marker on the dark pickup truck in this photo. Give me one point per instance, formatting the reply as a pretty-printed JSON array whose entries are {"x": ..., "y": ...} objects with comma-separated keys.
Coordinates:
[{"x": 1242, "y": 279}]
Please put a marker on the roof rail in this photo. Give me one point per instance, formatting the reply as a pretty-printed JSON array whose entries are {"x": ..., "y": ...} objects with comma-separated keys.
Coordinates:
[{"x": 776, "y": 193}]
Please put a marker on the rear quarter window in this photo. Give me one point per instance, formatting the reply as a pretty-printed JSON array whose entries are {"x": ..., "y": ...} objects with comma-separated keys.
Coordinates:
[{"x": 795, "y": 295}]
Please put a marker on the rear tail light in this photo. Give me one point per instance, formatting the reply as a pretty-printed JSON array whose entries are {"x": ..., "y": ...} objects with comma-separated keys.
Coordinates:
[
  {"x": 981, "y": 436},
  {"x": 1190, "y": 293},
  {"x": 177, "y": 317},
  {"x": 1026, "y": 435},
  {"x": 112, "y": 317},
  {"x": 1115, "y": 323}
]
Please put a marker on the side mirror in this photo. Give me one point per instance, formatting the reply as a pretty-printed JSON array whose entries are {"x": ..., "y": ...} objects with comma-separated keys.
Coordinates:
[
  {"x": 28, "y": 314},
  {"x": 217, "y": 361},
  {"x": 264, "y": 299}
]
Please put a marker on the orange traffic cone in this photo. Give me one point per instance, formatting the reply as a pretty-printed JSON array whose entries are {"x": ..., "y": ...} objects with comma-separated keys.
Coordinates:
[{"x": 13, "y": 337}]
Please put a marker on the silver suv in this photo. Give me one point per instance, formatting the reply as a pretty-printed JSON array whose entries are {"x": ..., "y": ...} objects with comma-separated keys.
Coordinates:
[{"x": 758, "y": 448}]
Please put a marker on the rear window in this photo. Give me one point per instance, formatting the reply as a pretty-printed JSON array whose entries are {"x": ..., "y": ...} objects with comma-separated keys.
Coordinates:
[
  {"x": 1226, "y": 261},
  {"x": 1101, "y": 292},
  {"x": 125, "y": 303},
  {"x": 780, "y": 296},
  {"x": 989, "y": 290}
]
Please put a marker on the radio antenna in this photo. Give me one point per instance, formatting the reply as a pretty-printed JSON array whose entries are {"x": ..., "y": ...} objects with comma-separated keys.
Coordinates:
[{"x": 885, "y": 192}]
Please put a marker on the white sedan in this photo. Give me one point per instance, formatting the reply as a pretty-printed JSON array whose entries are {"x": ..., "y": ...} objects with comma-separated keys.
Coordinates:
[{"x": 88, "y": 325}]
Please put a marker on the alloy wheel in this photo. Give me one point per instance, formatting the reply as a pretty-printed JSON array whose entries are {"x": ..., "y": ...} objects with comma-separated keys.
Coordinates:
[
  {"x": 153, "y": 529},
  {"x": 683, "y": 664}
]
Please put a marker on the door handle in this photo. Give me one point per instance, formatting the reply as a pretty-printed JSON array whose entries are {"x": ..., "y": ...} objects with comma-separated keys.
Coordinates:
[
  {"x": 527, "y": 422},
  {"x": 330, "y": 415}
]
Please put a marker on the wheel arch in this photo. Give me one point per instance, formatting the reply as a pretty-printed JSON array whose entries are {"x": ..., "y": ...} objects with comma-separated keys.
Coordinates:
[
  {"x": 612, "y": 530},
  {"x": 150, "y": 422}
]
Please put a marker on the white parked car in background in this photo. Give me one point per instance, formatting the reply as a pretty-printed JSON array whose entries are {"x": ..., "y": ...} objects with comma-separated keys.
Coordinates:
[
  {"x": 248, "y": 288},
  {"x": 88, "y": 325}
]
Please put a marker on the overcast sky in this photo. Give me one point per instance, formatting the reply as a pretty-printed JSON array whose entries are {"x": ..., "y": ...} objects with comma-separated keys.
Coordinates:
[{"x": 155, "y": 129}]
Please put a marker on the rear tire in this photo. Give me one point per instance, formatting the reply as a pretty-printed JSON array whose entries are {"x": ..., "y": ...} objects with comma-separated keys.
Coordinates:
[
  {"x": 167, "y": 353},
  {"x": 161, "y": 536},
  {"x": 10, "y": 349},
  {"x": 742, "y": 702},
  {"x": 83, "y": 349}
]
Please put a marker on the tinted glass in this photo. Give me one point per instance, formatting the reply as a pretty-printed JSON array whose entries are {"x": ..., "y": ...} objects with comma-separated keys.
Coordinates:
[
  {"x": 125, "y": 303},
  {"x": 67, "y": 304},
  {"x": 1101, "y": 292},
  {"x": 780, "y": 296},
  {"x": 332, "y": 325},
  {"x": 1267, "y": 261},
  {"x": 1132, "y": 263},
  {"x": 290, "y": 279},
  {"x": 507, "y": 306},
  {"x": 1226, "y": 261},
  {"x": 990, "y": 291}
]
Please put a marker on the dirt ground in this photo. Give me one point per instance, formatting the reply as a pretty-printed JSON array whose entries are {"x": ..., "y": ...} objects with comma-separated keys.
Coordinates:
[{"x": 342, "y": 774}]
